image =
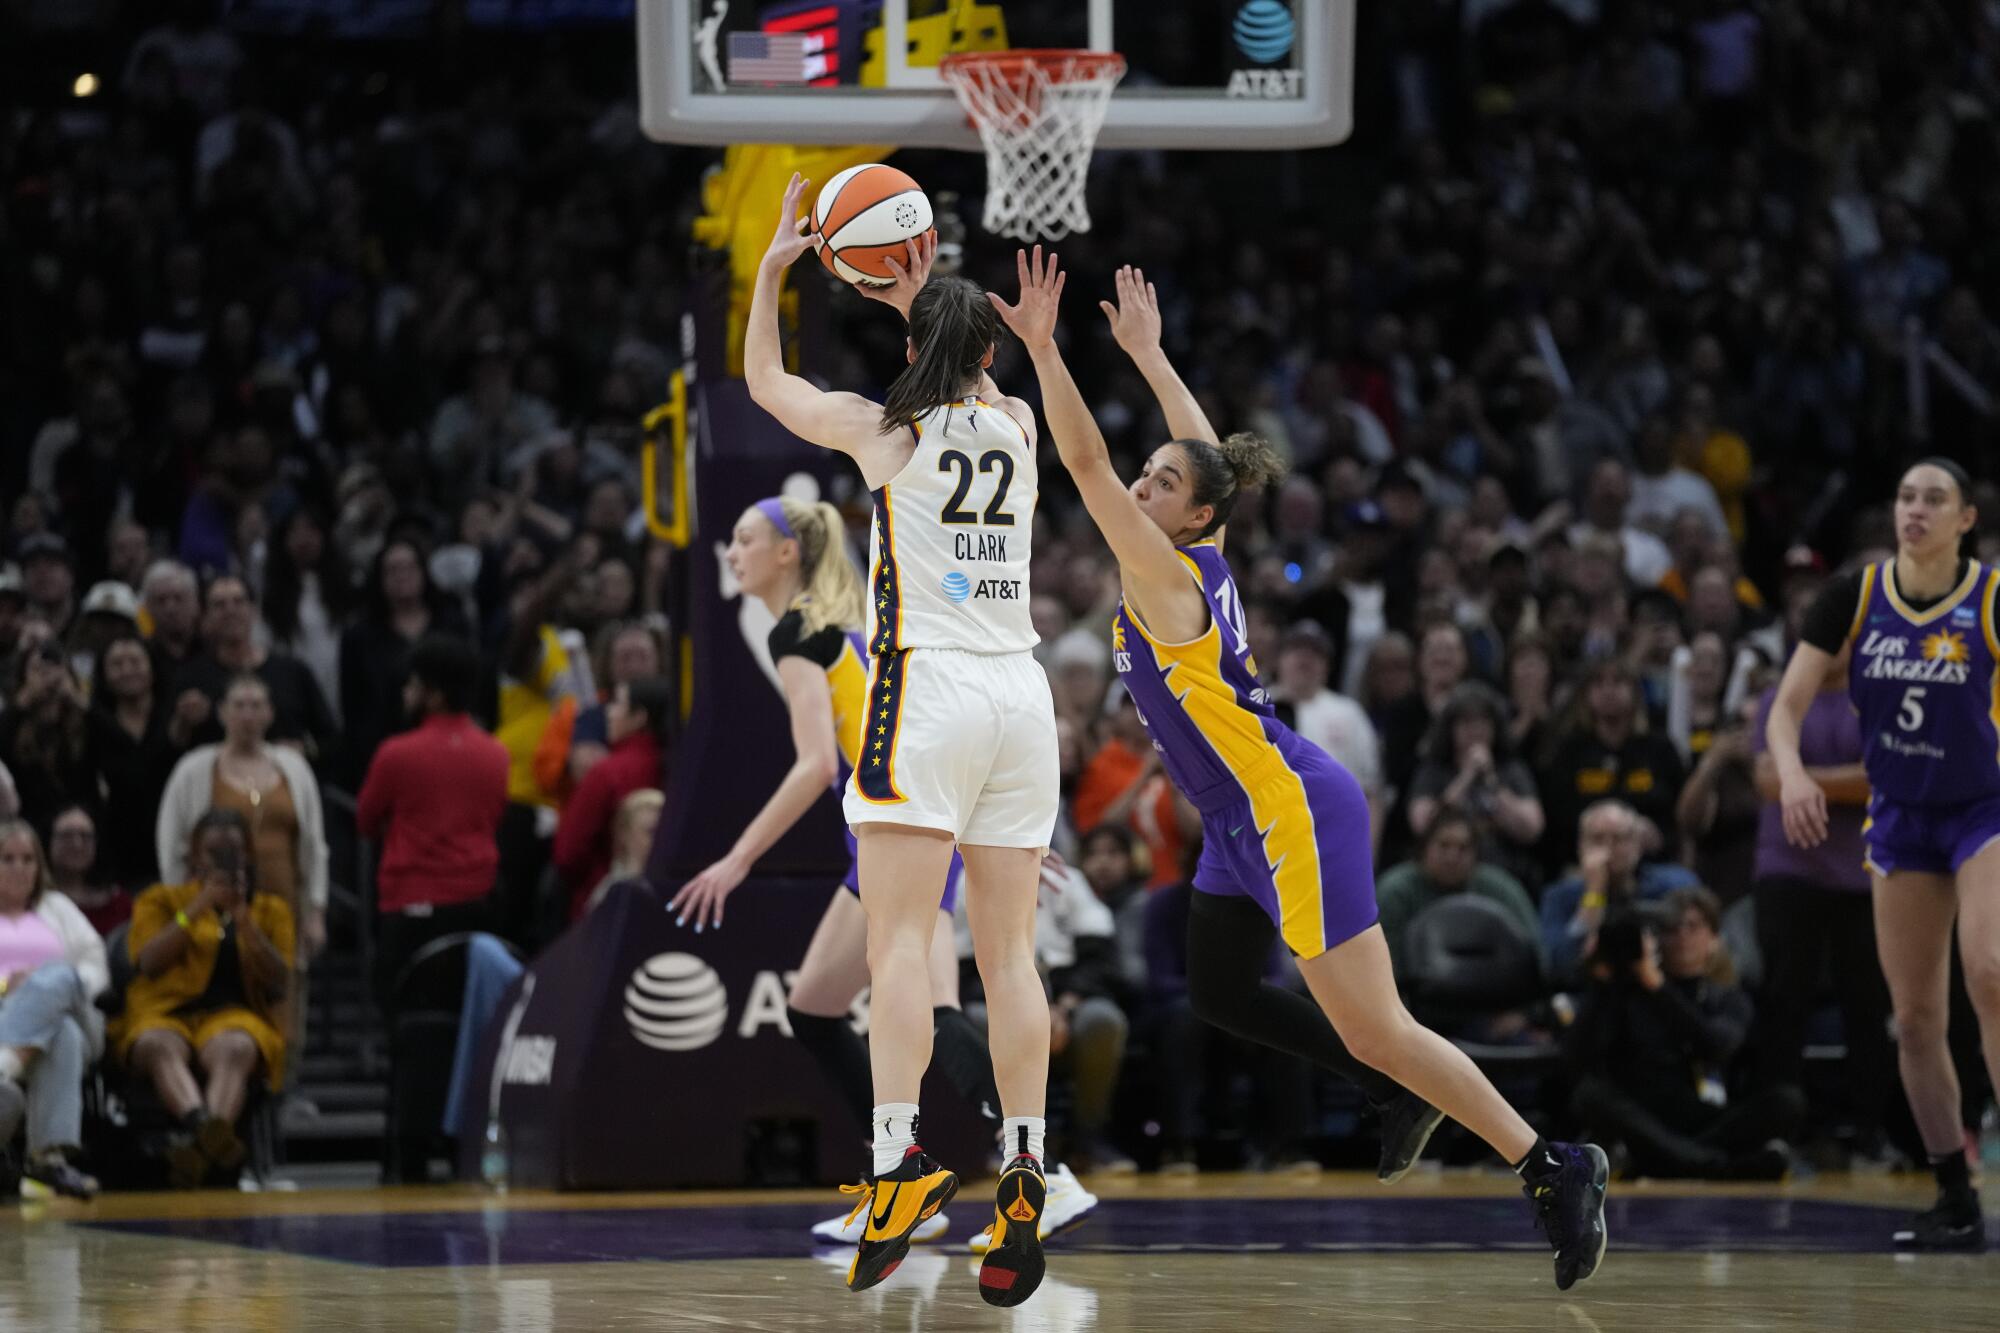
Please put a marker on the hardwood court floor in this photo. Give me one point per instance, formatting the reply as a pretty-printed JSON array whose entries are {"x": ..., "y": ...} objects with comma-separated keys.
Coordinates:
[{"x": 1241, "y": 1254}]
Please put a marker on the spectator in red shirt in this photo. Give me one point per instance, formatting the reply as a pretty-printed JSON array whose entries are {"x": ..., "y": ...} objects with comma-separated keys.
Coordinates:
[
  {"x": 434, "y": 795},
  {"x": 636, "y": 725}
]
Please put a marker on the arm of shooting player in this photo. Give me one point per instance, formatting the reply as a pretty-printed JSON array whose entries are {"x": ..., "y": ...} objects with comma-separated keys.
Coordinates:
[{"x": 846, "y": 422}]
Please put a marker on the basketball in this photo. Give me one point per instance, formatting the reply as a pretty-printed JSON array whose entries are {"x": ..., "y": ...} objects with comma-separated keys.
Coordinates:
[{"x": 863, "y": 218}]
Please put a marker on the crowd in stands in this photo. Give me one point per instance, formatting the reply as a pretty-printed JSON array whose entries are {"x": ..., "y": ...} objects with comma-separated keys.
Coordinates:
[{"x": 320, "y": 372}]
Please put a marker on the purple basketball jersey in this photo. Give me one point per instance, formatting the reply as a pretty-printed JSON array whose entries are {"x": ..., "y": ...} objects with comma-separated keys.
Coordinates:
[
  {"x": 1210, "y": 719},
  {"x": 1927, "y": 687},
  {"x": 1283, "y": 824}
]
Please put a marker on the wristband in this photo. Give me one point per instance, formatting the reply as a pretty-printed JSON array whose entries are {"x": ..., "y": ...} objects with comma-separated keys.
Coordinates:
[
  {"x": 181, "y": 920},
  {"x": 1593, "y": 900}
]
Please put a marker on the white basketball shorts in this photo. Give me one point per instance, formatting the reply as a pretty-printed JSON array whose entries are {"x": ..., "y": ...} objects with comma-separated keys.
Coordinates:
[{"x": 964, "y": 742}]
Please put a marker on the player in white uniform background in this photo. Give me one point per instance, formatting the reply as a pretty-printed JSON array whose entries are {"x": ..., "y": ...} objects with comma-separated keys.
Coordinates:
[{"x": 960, "y": 742}]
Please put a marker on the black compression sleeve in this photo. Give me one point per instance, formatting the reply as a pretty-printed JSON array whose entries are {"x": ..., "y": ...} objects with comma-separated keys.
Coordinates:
[
  {"x": 1831, "y": 614},
  {"x": 843, "y": 1058},
  {"x": 1229, "y": 948}
]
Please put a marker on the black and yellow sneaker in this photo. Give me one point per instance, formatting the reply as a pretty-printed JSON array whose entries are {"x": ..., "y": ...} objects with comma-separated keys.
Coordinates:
[
  {"x": 1014, "y": 1265},
  {"x": 898, "y": 1203}
]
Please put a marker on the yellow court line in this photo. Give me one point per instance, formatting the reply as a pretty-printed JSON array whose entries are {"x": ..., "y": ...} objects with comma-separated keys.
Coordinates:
[{"x": 1438, "y": 1185}]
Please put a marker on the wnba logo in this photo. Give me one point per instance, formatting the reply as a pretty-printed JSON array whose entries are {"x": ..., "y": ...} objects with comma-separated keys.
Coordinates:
[
  {"x": 675, "y": 1002},
  {"x": 956, "y": 586},
  {"x": 1264, "y": 30}
]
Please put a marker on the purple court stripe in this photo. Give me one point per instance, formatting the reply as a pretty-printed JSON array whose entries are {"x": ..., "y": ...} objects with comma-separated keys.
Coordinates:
[{"x": 779, "y": 1231}]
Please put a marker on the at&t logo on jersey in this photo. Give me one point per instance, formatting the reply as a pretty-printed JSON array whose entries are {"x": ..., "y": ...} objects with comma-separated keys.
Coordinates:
[
  {"x": 1941, "y": 659},
  {"x": 958, "y": 588}
]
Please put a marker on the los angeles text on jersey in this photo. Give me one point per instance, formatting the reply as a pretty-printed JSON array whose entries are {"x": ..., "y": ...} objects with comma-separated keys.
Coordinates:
[
  {"x": 1888, "y": 659},
  {"x": 979, "y": 545}
]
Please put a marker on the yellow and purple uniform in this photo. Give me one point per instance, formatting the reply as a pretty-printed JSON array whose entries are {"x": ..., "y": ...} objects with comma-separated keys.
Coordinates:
[
  {"x": 1282, "y": 823},
  {"x": 842, "y": 655}
]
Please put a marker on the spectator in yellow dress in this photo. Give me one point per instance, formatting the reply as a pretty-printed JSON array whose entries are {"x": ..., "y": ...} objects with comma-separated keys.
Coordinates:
[{"x": 213, "y": 958}]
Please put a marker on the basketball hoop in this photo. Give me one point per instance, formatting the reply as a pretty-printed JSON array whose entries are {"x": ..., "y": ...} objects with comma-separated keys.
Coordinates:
[{"x": 1038, "y": 113}]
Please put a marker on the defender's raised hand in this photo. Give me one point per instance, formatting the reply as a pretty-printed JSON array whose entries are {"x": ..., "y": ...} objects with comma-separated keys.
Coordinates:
[
  {"x": 1135, "y": 320},
  {"x": 793, "y": 237},
  {"x": 1033, "y": 318}
]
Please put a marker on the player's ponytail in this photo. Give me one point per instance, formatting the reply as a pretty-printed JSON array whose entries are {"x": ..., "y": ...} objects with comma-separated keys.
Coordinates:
[
  {"x": 952, "y": 325},
  {"x": 831, "y": 594},
  {"x": 1222, "y": 472}
]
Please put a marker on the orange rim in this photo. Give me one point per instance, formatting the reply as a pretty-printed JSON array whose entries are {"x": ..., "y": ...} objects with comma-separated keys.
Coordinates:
[{"x": 1074, "y": 64}]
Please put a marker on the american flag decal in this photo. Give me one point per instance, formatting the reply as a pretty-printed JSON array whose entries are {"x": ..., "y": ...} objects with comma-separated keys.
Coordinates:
[{"x": 768, "y": 57}]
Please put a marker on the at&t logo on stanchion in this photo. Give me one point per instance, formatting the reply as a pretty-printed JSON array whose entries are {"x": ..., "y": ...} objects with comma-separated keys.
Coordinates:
[{"x": 676, "y": 1002}]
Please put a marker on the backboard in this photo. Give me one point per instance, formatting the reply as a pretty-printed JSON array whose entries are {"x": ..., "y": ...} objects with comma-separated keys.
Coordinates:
[{"x": 1214, "y": 74}]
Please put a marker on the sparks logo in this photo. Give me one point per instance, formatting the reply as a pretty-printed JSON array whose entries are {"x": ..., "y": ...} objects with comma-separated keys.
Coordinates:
[
  {"x": 1941, "y": 658},
  {"x": 1945, "y": 646},
  {"x": 1121, "y": 661}
]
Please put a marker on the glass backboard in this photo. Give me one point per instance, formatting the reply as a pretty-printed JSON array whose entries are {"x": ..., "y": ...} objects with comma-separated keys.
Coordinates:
[{"x": 1216, "y": 74}]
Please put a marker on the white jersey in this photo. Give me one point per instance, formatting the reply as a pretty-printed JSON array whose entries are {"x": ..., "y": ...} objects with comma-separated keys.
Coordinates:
[{"x": 948, "y": 555}]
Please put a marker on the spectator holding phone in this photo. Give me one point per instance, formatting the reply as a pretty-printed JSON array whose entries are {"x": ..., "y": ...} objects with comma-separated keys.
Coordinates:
[
  {"x": 44, "y": 737},
  {"x": 214, "y": 969}
]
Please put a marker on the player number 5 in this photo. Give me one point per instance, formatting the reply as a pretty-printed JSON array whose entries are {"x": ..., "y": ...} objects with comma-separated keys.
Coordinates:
[{"x": 1912, "y": 715}]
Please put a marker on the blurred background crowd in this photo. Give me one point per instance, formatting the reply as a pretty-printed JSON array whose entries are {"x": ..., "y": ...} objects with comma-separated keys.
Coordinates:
[{"x": 1592, "y": 356}]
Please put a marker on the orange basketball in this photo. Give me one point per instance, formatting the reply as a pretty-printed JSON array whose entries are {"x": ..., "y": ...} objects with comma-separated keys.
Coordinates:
[{"x": 864, "y": 217}]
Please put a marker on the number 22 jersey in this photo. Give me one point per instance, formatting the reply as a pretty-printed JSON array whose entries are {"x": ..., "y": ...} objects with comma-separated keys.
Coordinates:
[
  {"x": 948, "y": 554},
  {"x": 1926, "y": 684}
]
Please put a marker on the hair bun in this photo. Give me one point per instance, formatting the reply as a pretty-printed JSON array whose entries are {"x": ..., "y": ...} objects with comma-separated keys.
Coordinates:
[{"x": 1252, "y": 459}]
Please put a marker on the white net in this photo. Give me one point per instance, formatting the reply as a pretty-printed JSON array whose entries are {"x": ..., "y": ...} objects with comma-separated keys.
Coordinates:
[{"x": 1038, "y": 116}]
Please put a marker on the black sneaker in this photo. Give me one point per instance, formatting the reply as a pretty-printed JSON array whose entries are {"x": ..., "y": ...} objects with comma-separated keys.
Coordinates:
[
  {"x": 1408, "y": 1121},
  {"x": 1569, "y": 1209},
  {"x": 1014, "y": 1263},
  {"x": 1954, "y": 1222},
  {"x": 52, "y": 1172}
]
